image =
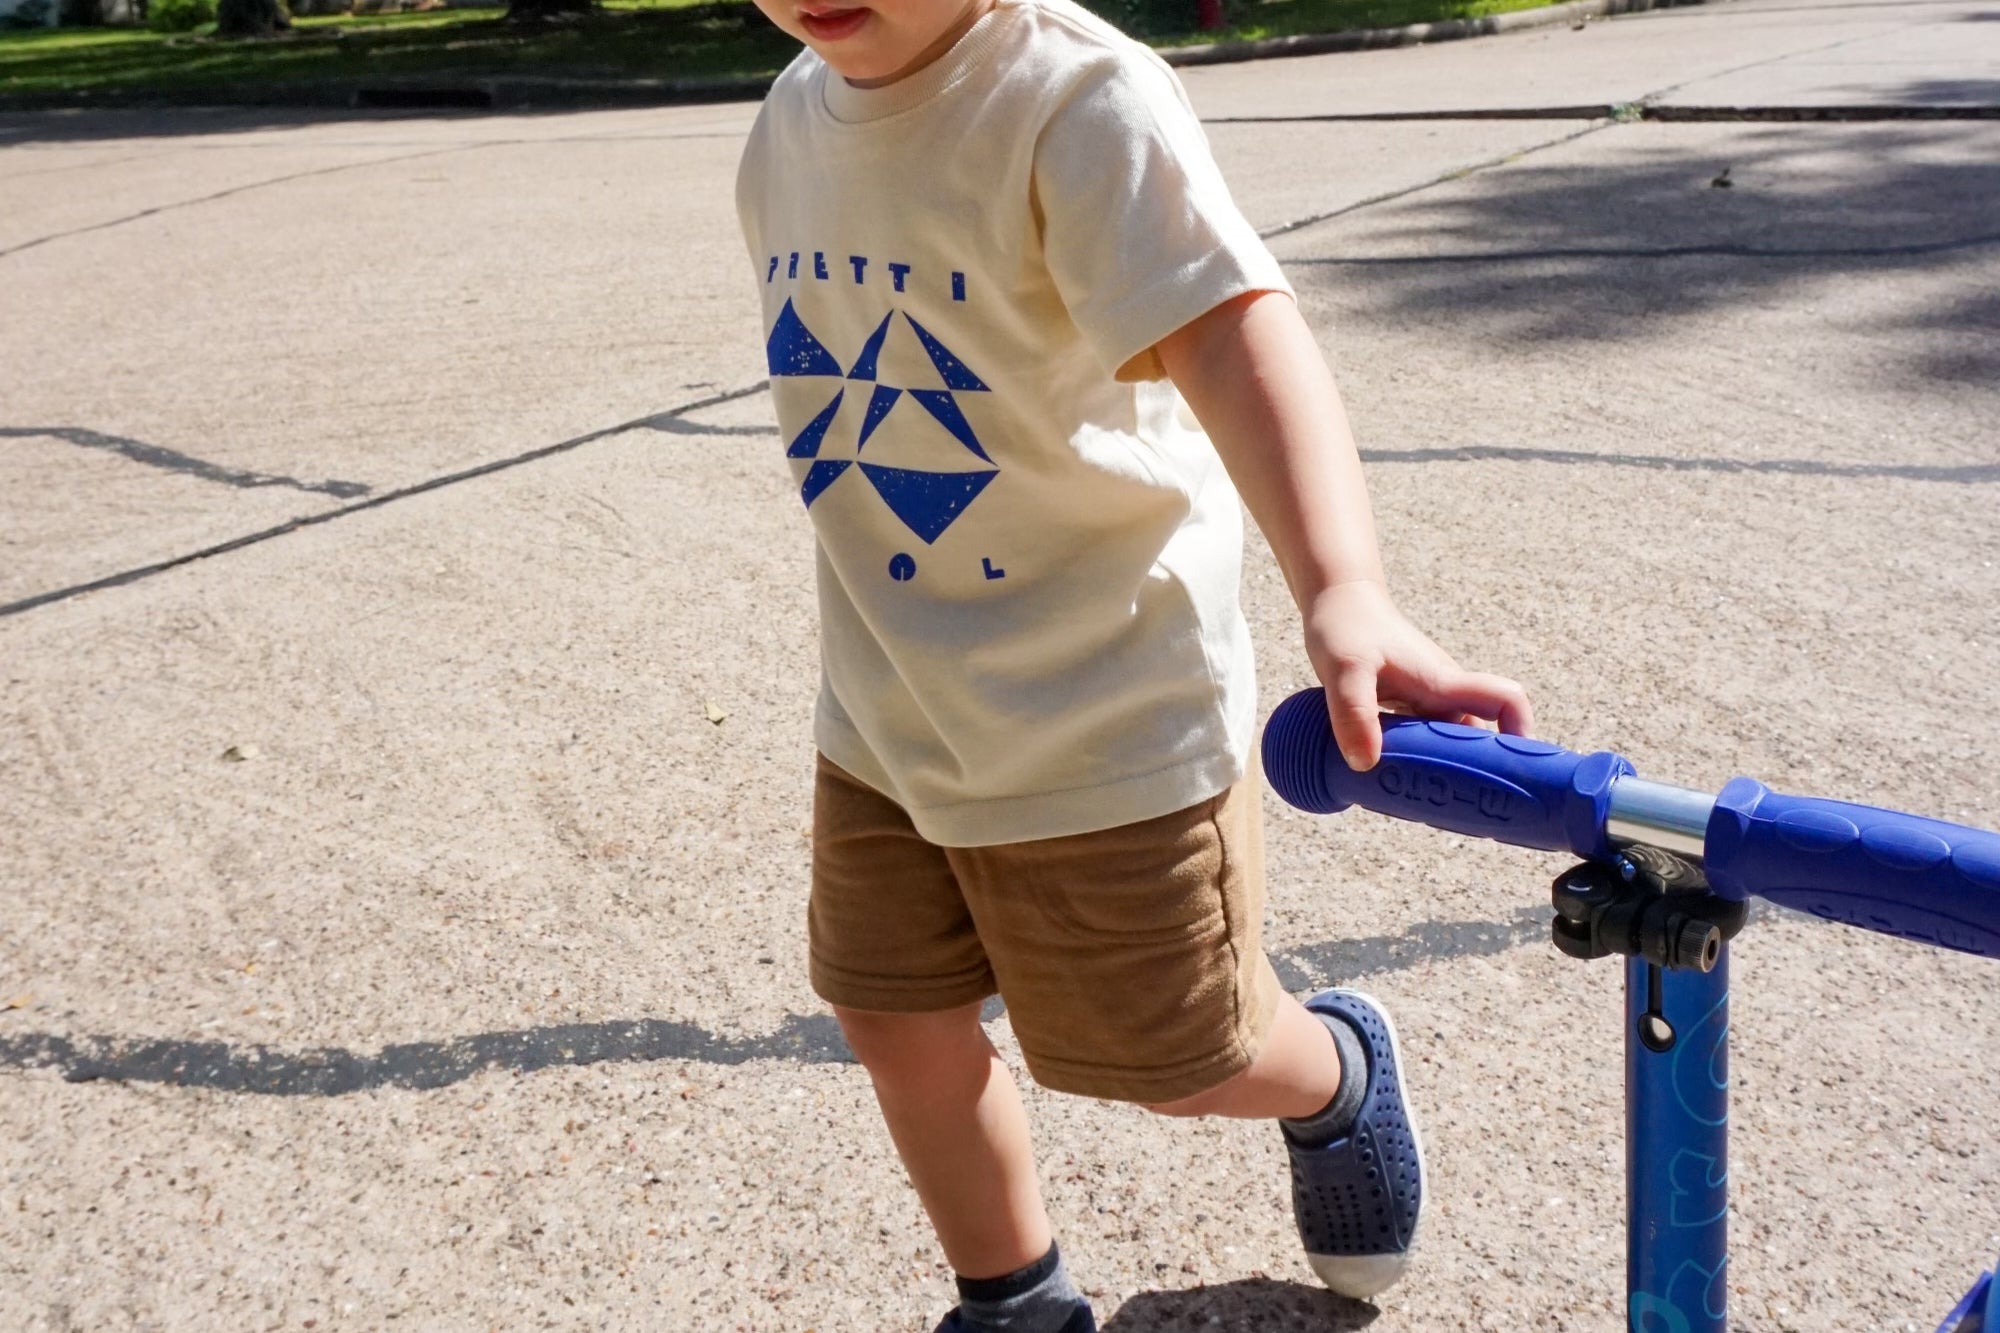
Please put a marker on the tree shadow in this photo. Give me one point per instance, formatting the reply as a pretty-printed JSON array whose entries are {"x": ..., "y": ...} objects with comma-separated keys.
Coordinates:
[
  {"x": 1606, "y": 251},
  {"x": 1971, "y": 360},
  {"x": 1954, "y": 92},
  {"x": 1253, "y": 1305}
]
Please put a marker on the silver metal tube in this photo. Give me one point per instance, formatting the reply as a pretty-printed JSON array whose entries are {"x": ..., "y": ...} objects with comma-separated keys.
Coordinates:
[{"x": 1674, "y": 819}]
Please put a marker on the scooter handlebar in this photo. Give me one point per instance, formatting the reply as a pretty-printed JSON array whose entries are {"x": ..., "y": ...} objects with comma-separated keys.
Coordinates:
[
  {"x": 1509, "y": 788},
  {"x": 1896, "y": 874},
  {"x": 1920, "y": 879}
]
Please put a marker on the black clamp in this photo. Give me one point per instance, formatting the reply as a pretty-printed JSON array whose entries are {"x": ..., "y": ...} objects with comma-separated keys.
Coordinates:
[{"x": 1644, "y": 904}]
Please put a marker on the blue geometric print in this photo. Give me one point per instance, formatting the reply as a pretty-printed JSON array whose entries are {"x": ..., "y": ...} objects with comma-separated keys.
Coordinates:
[
  {"x": 879, "y": 404},
  {"x": 807, "y": 445},
  {"x": 820, "y": 476},
  {"x": 864, "y": 365},
  {"x": 940, "y": 404},
  {"x": 954, "y": 371},
  {"x": 792, "y": 349},
  {"x": 928, "y": 502}
]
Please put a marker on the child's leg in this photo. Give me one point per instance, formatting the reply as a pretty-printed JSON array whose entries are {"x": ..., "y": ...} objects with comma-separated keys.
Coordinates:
[
  {"x": 958, "y": 1125},
  {"x": 1296, "y": 1073},
  {"x": 1133, "y": 971},
  {"x": 896, "y": 952}
]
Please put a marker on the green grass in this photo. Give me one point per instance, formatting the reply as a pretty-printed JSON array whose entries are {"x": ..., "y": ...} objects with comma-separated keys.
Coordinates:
[
  {"x": 692, "y": 39},
  {"x": 628, "y": 40}
]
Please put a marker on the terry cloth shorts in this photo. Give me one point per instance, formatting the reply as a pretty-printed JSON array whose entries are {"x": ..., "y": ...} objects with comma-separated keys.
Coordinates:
[{"x": 1130, "y": 958}]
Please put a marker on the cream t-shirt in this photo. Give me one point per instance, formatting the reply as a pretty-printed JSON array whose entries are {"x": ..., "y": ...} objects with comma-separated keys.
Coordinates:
[{"x": 1029, "y": 553}]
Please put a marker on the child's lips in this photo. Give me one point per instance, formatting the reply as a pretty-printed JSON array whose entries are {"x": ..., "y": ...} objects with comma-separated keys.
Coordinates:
[{"x": 829, "y": 23}]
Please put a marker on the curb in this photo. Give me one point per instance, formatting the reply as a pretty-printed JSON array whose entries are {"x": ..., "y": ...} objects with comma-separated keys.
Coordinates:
[
  {"x": 1411, "y": 34},
  {"x": 470, "y": 94},
  {"x": 511, "y": 93}
]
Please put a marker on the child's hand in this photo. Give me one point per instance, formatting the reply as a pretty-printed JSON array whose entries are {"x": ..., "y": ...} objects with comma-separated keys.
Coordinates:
[{"x": 1370, "y": 658}]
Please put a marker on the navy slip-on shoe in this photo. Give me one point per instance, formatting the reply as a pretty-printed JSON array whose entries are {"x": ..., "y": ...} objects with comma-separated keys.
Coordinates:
[
  {"x": 1357, "y": 1199},
  {"x": 1083, "y": 1320}
]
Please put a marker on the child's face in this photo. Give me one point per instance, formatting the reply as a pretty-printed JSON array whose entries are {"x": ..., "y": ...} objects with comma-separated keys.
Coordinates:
[{"x": 880, "y": 41}]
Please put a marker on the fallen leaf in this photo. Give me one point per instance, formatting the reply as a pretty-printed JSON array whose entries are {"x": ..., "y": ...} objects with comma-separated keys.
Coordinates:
[
  {"x": 236, "y": 754},
  {"x": 713, "y": 713}
]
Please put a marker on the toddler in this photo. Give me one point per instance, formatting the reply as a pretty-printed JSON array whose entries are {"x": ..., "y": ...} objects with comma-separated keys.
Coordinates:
[{"x": 1026, "y": 356}]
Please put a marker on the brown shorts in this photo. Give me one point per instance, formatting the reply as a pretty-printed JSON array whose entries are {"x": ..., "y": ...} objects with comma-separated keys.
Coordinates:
[{"x": 1129, "y": 958}]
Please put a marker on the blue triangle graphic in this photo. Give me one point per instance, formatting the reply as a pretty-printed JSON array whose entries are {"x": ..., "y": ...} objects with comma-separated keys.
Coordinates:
[
  {"x": 820, "y": 476},
  {"x": 956, "y": 375},
  {"x": 864, "y": 365},
  {"x": 927, "y": 502},
  {"x": 879, "y": 404},
  {"x": 792, "y": 349},
  {"x": 940, "y": 404},
  {"x": 807, "y": 445}
]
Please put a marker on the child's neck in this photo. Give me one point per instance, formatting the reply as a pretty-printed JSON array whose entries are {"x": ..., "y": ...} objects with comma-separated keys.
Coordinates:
[{"x": 974, "y": 11}]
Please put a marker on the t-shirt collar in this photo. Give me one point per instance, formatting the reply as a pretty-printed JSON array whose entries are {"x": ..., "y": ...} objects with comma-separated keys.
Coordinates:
[{"x": 851, "y": 105}]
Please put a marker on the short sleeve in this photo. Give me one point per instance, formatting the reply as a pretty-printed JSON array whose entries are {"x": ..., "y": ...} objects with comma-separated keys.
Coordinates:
[{"x": 1138, "y": 229}]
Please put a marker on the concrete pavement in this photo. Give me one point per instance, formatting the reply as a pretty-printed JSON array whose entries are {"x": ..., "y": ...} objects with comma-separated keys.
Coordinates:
[{"x": 474, "y": 998}]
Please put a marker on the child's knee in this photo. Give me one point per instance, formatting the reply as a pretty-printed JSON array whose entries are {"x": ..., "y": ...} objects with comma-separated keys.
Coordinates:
[{"x": 905, "y": 1049}]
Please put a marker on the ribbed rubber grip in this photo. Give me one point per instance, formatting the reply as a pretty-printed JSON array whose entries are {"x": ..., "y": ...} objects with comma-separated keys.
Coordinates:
[
  {"x": 1463, "y": 779},
  {"x": 1897, "y": 874}
]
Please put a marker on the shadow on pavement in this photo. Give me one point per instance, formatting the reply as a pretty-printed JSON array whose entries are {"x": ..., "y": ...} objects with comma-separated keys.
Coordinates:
[
  {"x": 1606, "y": 251},
  {"x": 1957, "y": 92},
  {"x": 331, "y": 1071},
  {"x": 172, "y": 460},
  {"x": 1254, "y": 1305}
]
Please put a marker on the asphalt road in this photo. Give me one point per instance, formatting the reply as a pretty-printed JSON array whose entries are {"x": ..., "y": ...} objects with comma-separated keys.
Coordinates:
[{"x": 388, "y": 506}]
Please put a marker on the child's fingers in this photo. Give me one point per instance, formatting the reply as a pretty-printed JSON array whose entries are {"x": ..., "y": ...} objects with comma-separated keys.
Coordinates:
[
  {"x": 1494, "y": 698},
  {"x": 1404, "y": 708},
  {"x": 1357, "y": 725}
]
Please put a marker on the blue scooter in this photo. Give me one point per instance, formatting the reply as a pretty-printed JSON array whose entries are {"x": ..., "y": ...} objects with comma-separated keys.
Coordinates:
[{"x": 1665, "y": 881}]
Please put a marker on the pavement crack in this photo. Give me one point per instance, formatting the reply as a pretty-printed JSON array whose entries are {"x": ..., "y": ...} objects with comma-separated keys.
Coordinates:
[
  {"x": 158, "y": 209},
  {"x": 1587, "y": 111},
  {"x": 1456, "y": 173},
  {"x": 1657, "y": 93},
  {"x": 305, "y": 521},
  {"x": 1605, "y": 117},
  {"x": 1968, "y": 474},
  {"x": 172, "y": 460},
  {"x": 1839, "y": 113},
  {"x": 463, "y": 147},
  {"x": 1856, "y": 114},
  {"x": 1709, "y": 250}
]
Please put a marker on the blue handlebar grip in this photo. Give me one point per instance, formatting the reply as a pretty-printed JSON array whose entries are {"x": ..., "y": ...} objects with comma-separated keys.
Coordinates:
[
  {"x": 1920, "y": 879},
  {"x": 1512, "y": 789}
]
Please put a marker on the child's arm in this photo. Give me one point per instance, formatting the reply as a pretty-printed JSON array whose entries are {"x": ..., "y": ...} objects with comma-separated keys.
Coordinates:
[{"x": 1256, "y": 380}]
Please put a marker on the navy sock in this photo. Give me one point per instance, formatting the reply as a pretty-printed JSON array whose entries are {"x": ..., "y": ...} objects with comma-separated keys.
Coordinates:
[
  {"x": 1038, "y": 1298},
  {"x": 1336, "y": 1118}
]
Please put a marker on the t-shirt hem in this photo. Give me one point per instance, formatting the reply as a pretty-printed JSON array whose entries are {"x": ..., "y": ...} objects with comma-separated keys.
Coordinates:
[
  {"x": 1005, "y": 819},
  {"x": 1173, "y": 304}
]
